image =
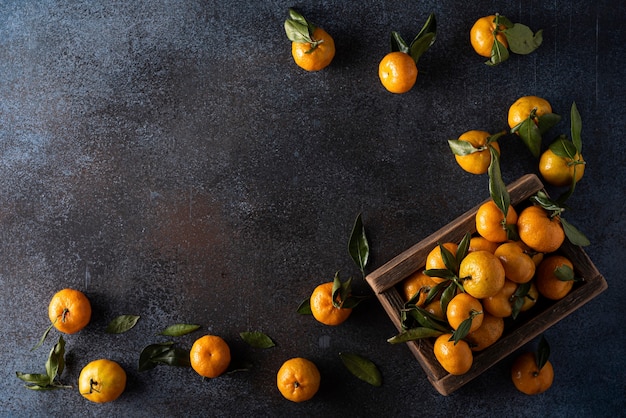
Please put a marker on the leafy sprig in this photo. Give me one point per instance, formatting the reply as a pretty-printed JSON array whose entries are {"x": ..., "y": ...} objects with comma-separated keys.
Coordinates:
[
  {"x": 55, "y": 364},
  {"x": 520, "y": 38},
  {"x": 420, "y": 44},
  {"x": 299, "y": 29}
]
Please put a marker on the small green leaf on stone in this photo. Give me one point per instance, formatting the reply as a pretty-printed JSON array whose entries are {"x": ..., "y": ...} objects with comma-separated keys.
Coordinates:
[
  {"x": 257, "y": 339},
  {"x": 122, "y": 324},
  {"x": 362, "y": 368}
]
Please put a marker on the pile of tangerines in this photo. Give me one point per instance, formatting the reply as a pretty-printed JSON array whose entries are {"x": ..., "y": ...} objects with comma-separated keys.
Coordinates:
[{"x": 467, "y": 290}]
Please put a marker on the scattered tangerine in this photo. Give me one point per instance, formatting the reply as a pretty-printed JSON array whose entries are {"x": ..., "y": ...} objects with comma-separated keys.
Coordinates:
[
  {"x": 69, "y": 311},
  {"x": 322, "y": 306},
  {"x": 102, "y": 381},
  {"x": 210, "y": 356},
  {"x": 528, "y": 378},
  {"x": 298, "y": 379}
]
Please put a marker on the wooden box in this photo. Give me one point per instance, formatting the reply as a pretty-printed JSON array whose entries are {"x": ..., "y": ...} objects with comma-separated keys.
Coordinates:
[{"x": 545, "y": 314}]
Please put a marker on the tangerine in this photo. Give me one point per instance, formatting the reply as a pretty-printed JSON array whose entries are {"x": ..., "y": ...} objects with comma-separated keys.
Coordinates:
[
  {"x": 539, "y": 231},
  {"x": 487, "y": 334},
  {"x": 464, "y": 306},
  {"x": 477, "y": 162},
  {"x": 102, "y": 381},
  {"x": 560, "y": 171},
  {"x": 322, "y": 306},
  {"x": 397, "y": 72},
  {"x": 315, "y": 55},
  {"x": 482, "y": 274},
  {"x": 484, "y": 33},
  {"x": 528, "y": 378},
  {"x": 518, "y": 266},
  {"x": 522, "y": 108},
  {"x": 298, "y": 379},
  {"x": 491, "y": 223},
  {"x": 457, "y": 358},
  {"x": 69, "y": 311},
  {"x": 548, "y": 284},
  {"x": 210, "y": 356}
]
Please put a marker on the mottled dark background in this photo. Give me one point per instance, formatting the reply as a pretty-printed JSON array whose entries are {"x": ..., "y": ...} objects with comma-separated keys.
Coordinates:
[{"x": 170, "y": 160}]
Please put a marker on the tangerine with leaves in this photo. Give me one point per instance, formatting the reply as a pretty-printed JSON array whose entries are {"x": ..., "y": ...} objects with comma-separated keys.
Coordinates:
[
  {"x": 484, "y": 34},
  {"x": 324, "y": 308},
  {"x": 555, "y": 277},
  {"x": 526, "y": 107},
  {"x": 434, "y": 259},
  {"x": 463, "y": 307},
  {"x": 298, "y": 379},
  {"x": 539, "y": 230},
  {"x": 210, "y": 356},
  {"x": 312, "y": 48},
  {"x": 491, "y": 223},
  {"x": 397, "y": 70},
  {"x": 69, "y": 311},
  {"x": 482, "y": 274},
  {"x": 561, "y": 170},
  {"x": 455, "y": 358},
  {"x": 102, "y": 381},
  {"x": 532, "y": 373},
  {"x": 417, "y": 282},
  {"x": 474, "y": 158}
]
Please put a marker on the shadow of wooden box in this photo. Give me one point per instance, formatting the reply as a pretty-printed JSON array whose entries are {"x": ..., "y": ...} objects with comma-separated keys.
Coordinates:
[{"x": 517, "y": 333}]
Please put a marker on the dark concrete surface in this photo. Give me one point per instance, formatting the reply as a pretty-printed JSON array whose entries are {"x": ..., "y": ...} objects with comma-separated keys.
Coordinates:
[{"x": 170, "y": 160}]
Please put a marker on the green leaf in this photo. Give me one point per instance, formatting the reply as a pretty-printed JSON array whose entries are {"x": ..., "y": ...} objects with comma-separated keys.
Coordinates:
[
  {"x": 447, "y": 296},
  {"x": 426, "y": 319},
  {"x": 56, "y": 360},
  {"x": 43, "y": 337},
  {"x": 564, "y": 273},
  {"x": 463, "y": 247},
  {"x": 521, "y": 293},
  {"x": 516, "y": 306},
  {"x": 530, "y": 135},
  {"x": 362, "y": 368},
  {"x": 163, "y": 353},
  {"x": 398, "y": 43},
  {"x": 547, "y": 121},
  {"x": 543, "y": 352},
  {"x": 443, "y": 273},
  {"x": 305, "y": 307},
  {"x": 462, "y": 148},
  {"x": 257, "y": 339},
  {"x": 542, "y": 199},
  {"x": 414, "y": 334},
  {"x": 574, "y": 235},
  {"x": 499, "y": 53},
  {"x": 34, "y": 378},
  {"x": 497, "y": 188},
  {"x": 464, "y": 327},
  {"x": 424, "y": 39},
  {"x": 298, "y": 29},
  {"x": 563, "y": 148},
  {"x": 122, "y": 323},
  {"x": 449, "y": 259},
  {"x": 358, "y": 247},
  {"x": 576, "y": 128},
  {"x": 178, "y": 330},
  {"x": 522, "y": 40}
]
